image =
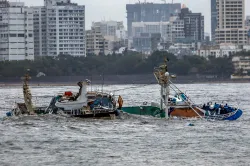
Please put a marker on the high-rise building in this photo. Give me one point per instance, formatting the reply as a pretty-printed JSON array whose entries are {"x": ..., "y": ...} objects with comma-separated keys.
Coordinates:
[
  {"x": 114, "y": 34},
  {"x": 16, "y": 31},
  {"x": 56, "y": 2},
  {"x": 96, "y": 43},
  {"x": 231, "y": 22},
  {"x": 248, "y": 27},
  {"x": 111, "y": 28},
  {"x": 193, "y": 25},
  {"x": 63, "y": 23},
  {"x": 213, "y": 19},
  {"x": 150, "y": 12},
  {"x": 147, "y": 42},
  {"x": 40, "y": 31},
  {"x": 248, "y": 21},
  {"x": 170, "y": 31}
]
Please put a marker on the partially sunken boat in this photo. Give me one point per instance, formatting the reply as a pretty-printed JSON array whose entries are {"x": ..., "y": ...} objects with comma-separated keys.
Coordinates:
[
  {"x": 83, "y": 104},
  {"x": 179, "y": 105},
  {"x": 26, "y": 108}
]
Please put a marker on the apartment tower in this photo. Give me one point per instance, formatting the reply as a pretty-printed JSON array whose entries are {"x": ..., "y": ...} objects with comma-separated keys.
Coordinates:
[
  {"x": 59, "y": 28},
  {"x": 213, "y": 19},
  {"x": 193, "y": 24},
  {"x": 16, "y": 31},
  {"x": 231, "y": 22},
  {"x": 150, "y": 12}
]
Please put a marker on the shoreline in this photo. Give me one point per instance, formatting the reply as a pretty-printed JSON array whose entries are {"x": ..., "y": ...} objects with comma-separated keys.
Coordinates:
[
  {"x": 16, "y": 84},
  {"x": 139, "y": 79}
]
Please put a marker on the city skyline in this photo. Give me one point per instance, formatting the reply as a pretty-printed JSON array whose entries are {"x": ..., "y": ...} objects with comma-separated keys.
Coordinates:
[{"x": 96, "y": 10}]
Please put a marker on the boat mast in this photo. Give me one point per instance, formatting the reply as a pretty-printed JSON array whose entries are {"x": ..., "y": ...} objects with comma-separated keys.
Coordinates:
[
  {"x": 27, "y": 94},
  {"x": 162, "y": 76}
]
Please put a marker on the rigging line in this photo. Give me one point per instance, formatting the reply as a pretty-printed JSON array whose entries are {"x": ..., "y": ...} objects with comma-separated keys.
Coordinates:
[
  {"x": 180, "y": 91},
  {"x": 139, "y": 86},
  {"x": 188, "y": 103}
]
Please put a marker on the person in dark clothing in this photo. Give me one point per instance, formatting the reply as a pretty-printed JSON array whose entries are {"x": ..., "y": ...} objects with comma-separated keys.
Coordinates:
[{"x": 223, "y": 110}]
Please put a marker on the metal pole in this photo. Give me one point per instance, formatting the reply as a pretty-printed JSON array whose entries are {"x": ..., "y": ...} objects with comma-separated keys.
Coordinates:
[
  {"x": 102, "y": 82},
  {"x": 161, "y": 97},
  {"x": 167, "y": 90},
  {"x": 91, "y": 83}
]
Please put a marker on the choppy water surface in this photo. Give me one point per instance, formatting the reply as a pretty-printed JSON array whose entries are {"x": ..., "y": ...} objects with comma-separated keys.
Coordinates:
[{"x": 132, "y": 140}]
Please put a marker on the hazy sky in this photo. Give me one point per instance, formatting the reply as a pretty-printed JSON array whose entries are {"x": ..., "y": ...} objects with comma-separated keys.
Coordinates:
[{"x": 97, "y": 10}]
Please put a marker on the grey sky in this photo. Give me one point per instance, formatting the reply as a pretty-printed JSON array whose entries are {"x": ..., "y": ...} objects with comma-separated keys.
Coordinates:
[{"x": 97, "y": 10}]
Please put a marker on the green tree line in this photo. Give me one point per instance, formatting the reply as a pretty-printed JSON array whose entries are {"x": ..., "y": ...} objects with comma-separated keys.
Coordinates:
[{"x": 129, "y": 63}]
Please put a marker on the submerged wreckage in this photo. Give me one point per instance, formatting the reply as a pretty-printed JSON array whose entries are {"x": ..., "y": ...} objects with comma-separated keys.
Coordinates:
[{"x": 83, "y": 104}]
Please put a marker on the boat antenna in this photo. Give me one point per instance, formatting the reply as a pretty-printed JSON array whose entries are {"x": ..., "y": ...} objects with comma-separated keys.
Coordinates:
[
  {"x": 91, "y": 82},
  {"x": 102, "y": 82}
]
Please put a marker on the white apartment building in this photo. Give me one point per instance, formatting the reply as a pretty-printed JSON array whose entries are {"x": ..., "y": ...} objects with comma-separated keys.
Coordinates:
[
  {"x": 63, "y": 23},
  {"x": 231, "y": 22},
  {"x": 96, "y": 43},
  {"x": 221, "y": 50},
  {"x": 113, "y": 29},
  {"x": 16, "y": 31},
  {"x": 40, "y": 31},
  {"x": 170, "y": 31},
  {"x": 241, "y": 67}
]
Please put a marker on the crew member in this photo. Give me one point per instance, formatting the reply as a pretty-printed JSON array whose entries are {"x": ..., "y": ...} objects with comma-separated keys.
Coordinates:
[{"x": 120, "y": 102}]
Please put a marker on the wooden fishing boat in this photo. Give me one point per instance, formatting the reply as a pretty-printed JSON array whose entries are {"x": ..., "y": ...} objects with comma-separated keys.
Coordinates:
[{"x": 179, "y": 105}]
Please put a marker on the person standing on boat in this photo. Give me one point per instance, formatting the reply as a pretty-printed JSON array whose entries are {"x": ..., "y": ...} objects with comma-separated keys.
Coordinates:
[{"x": 120, "y": 102}]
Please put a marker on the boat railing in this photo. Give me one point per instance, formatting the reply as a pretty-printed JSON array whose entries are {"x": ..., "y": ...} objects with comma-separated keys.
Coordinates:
[{"x": 221, "y": 116}]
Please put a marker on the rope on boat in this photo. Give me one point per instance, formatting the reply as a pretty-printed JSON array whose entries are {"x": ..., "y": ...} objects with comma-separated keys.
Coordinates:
[
  {"x": 180, "y": 90},
  {"x": 134, "y": 87},
  {"x": 185, "y": 100}
]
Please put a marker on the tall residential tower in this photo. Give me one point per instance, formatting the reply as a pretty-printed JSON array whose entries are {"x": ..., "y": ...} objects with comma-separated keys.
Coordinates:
[
  {"x": 59, "y": 28},
  {"x": 231, "y": 22},
  {"x": 213, "y": 19},
  {"x": 150, "y": 12},
  {"x": 16, "y": 31},
  {"x": 193, "y": 25}
]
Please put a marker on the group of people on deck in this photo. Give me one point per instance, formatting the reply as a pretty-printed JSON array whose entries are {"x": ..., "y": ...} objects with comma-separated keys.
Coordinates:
[{"x": 216, "y": 108}]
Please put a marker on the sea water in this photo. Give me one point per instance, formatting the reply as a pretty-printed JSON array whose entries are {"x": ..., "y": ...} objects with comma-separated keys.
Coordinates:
[{"x": 132, "y": 140}]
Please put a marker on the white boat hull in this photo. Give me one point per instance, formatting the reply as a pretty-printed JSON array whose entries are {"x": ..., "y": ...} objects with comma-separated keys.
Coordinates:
[{"x": 70, "y": 105}]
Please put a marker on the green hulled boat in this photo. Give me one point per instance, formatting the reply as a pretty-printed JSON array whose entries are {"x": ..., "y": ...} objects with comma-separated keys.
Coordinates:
[
  {"x": 179, "y": 105},
  {"x": 145, "y": 110}
]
